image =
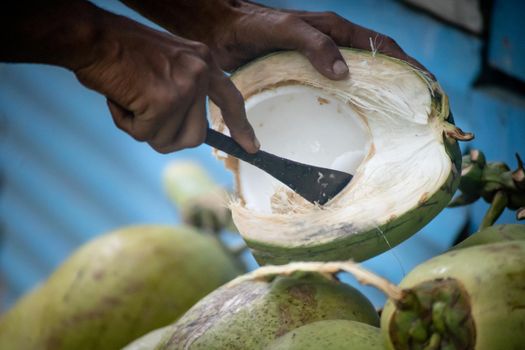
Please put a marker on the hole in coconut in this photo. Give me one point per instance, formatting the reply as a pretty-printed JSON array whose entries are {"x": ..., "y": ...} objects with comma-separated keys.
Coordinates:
[{"x": 304, "y": 124}]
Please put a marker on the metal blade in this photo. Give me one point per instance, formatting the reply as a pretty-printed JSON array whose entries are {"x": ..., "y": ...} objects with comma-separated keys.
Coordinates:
[{"x": 315, "y": 184}]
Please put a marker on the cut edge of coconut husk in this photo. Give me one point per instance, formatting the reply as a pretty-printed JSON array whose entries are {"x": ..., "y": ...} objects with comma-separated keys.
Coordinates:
[{"x": 328, "y": 270}]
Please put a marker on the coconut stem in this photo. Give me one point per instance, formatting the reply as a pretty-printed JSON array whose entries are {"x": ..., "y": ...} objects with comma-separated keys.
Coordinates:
[
  {"x": 463, "y": 199},
  {"x": 520, "y": 214},
  {"x": 457, "y": 134},
  {"x": 237, "y": 249},
  {"x": 496, "y": 208},
  {"x": 329, "y": 269}
]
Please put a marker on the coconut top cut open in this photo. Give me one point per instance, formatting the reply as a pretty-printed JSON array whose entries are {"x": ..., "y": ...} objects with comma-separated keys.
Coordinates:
[{"x": 387, "y": 124}]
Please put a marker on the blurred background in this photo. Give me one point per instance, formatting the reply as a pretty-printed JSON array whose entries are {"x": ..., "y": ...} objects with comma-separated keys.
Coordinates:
[{"x": 68, "y": 174}]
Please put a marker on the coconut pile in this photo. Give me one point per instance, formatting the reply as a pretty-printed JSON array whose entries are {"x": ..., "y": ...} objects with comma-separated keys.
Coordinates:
[{"x": 390, "y": 126}]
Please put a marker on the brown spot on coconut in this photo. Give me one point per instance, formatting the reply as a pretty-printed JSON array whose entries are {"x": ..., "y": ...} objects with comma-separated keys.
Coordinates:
[
  {"x": 322, "y": 101},
  {"x": 386, "y": 124}
]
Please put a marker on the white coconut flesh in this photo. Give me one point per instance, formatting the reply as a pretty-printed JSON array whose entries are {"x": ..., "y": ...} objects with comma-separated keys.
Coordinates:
[{"x": 383, "y": 124}]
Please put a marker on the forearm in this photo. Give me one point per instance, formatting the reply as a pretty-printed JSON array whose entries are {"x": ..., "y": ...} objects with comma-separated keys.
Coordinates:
[
  {"x": 193, "y": 19},
  {"x": 57, "y": 32}
]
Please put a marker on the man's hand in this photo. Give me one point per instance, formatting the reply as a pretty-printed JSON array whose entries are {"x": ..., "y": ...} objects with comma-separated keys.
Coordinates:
[
  {"x": 155, "y": 83},
  {"x": 238, "y": 31}
]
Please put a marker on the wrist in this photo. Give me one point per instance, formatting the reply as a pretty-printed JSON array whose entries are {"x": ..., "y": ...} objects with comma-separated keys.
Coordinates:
[{"x": 199, "y": 20}]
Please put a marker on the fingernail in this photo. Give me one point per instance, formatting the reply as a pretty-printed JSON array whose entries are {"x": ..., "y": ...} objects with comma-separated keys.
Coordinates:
[
  {"x": 256, "y": 143},
  {"x": 340, "y": 68}
]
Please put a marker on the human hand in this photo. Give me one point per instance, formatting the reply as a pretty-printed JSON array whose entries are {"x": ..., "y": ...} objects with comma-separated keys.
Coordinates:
[
  {"x": 156, "y": 86},
  {"x": 155, "y": 83},
  {"x": 238, "y": 31}
]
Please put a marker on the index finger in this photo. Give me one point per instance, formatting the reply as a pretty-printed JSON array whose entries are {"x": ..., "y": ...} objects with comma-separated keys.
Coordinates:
[{"x": 223, "y": 92}]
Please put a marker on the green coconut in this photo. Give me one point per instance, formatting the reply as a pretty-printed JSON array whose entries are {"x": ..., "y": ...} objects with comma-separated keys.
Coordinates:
[
  {"x": 493, "y": 234},
  {"x": 253, "y": 310},
  {"x": 388, "y": 124},
  {"x": 330, "y": 335},
  {"x": 471, "y": 298},
  {"x": 201, "y": 202},
  {"x": 148, "y": 341},
  {"x": 116, "y": 288}
]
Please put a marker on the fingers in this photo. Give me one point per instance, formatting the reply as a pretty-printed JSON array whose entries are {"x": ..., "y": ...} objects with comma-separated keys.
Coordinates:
[
  {"x": 346, "y": 33},
  {"x": 176, "y": 135},
  {"x": 226, "y": 96},
  {"x": 122, "y": 118},
  {"x": 193, "y": 131},
  {"x": 223, "y": 92},
  {"x": 141, "y": 129},
  {"x": 165, "y": 138},
  {"x": 318, "y": 47},
  {"x": 183, "y": 123},
  {"x": 173, "y": 115}
]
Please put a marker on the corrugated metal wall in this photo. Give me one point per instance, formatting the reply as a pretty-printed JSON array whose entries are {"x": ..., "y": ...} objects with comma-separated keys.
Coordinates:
[{"x": 68, "y": 174}]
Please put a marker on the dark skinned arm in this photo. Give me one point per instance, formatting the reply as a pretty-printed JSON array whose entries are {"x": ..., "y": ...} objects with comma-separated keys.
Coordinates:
[
  {"x": 238, "y": 31},
  {"x": 155, "y": 83}
]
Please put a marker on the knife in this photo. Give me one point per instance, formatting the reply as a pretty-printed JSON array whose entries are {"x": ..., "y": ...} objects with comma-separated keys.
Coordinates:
[{"x": 315, "y": 184}]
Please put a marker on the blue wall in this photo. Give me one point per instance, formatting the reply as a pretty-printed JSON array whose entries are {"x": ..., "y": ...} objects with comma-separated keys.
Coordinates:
[{"x": 69, "y": 174}]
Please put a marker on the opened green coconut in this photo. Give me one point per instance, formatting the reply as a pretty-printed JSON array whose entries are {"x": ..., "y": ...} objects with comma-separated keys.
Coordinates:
[
  {"x": 255, "y": 309},
  {"x": 118, "y": 287},
  {"x": 388, "y": 124},
  {"x": 331, "y": 335},
  {"x": 471, "y": 298}
]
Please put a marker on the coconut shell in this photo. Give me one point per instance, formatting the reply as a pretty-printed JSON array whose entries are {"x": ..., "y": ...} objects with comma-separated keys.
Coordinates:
[{"x": 251, "y": 313}]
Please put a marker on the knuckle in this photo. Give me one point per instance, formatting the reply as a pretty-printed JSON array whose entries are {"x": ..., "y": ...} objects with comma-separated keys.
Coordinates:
[
  {"x": 286, "y": 20},
  {"x": 203, "y": 50},
  {"x": 199, "y": 68},
  {"x": 324, "y": 43},
  {"x": 247, "y": 129},
  {"x": 242, "y": 128}
]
